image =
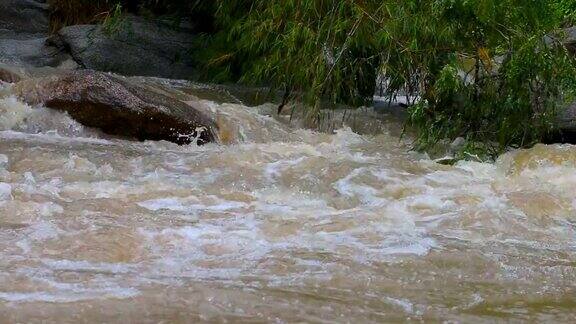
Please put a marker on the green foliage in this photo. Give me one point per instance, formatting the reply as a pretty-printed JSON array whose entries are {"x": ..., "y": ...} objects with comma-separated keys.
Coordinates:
[
  {"x": 114, "y": 22},
  {"x": 313, "y": 50},
  {"x": 481, "y": 69},
  {"x": 491, "y": 71},
  {"x": 514, "y": 85},
  {"x": 567, "y": 9}
]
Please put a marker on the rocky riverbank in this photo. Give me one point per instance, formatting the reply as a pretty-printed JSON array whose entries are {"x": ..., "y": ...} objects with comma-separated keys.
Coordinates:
[
  {"x": 138, "y": 47},
  {"x": 59, "y": 71}
]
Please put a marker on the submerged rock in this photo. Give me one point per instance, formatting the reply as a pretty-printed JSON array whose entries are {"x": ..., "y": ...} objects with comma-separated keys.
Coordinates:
[
  {"x": 119, "y": 107},
  {"x": 137, "y": 46}
]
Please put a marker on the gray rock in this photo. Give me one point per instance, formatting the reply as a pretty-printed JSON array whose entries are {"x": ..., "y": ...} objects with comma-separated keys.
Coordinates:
[
  {"x": 570, "y": 35},
  {"x": 570, "y": 39},
  {"x": 567, "y": 119},
  {"x": 457, "y": 144},
  {"x": 24, "y": 27},
  {"x": 567, "y": 37},
  {"x": 119, "y": 107},
  {"x": 23, "y": 19},
  {"x": 137, "y": 47}
]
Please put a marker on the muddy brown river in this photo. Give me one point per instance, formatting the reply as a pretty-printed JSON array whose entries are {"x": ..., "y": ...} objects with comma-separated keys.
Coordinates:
[{"x": 283, "y": 225}]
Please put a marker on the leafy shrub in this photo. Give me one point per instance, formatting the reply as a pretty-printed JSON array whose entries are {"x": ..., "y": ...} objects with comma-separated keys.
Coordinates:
[{"x": 480, "y": 69}]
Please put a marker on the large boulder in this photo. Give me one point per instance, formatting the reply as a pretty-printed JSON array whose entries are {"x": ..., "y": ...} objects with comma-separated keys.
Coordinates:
[
  {"x": 24, "y": 28},
  {"x": 136, "y": 46},
  {"x": 23, "y": 18},
  {"x": 570, "y": 39},
  {"x": 119, "y": 107}
]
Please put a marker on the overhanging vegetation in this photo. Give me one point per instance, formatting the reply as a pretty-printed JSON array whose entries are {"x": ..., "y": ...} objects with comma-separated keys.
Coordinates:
[{"x": 492, "y": 71}]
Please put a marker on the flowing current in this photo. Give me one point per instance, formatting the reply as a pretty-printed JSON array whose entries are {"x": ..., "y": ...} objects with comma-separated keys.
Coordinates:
[{"x": 281, "y": 225}]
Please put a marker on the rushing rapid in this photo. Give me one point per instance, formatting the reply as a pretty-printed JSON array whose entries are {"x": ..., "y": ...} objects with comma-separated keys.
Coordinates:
[{"x": 282, "y": 224}]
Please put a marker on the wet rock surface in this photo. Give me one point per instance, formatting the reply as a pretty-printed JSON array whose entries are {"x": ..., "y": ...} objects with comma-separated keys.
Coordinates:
[
  {"x": 137, "y": 47},
  {"x": 119, "y": 107}
]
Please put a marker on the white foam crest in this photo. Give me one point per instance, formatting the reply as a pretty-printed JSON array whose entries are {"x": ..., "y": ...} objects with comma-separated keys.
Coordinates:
[
  {"x": 178, "y": 250},
  {"x": 39, "y": 232},
  {"x": 85, "y": 266},
  {"x": 54, "y": 290},
  {"x": 368, "y": 195},
  {"x": 97, "y": 189},
  {"x": 190, "y": 204},
  {"x": 17, "y": 116},
  {"x": 5, "y": 191},
  {"x": 274, "y": 169},
  {"x": 242, "y": 124},
  {"x": 13, "y": 113},
  {"x": 70, "y": 295},
  {"x": 52, "y": 138},
  {"x": 242, "y": 241},
  {"x": 43, "y": 231},
  {"x": 5, "y": 89}
]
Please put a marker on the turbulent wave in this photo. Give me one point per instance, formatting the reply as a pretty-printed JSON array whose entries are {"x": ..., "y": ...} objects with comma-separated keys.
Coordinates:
[{"x": 281, "y": 224}]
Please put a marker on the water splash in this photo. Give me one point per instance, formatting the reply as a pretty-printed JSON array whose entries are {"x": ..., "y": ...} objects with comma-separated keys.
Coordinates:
[{"x": 282, "y": 224}]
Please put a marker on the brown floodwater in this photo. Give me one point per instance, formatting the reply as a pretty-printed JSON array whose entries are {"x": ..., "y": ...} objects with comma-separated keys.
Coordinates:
[{"x": 280, "y": 225}]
